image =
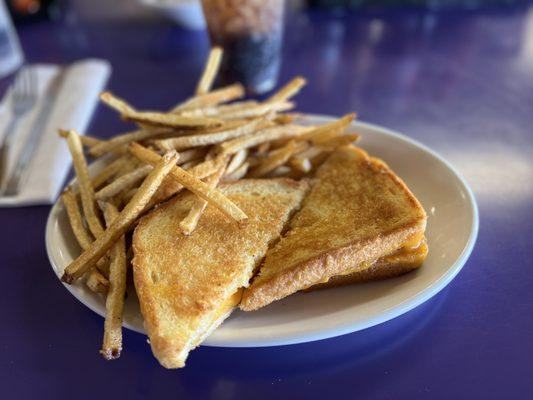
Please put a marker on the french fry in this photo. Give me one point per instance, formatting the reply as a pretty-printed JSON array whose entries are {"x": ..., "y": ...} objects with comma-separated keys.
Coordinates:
[
  {"x": 189, "y": 181},
  {"x": 238, "y": 173},
  {"x": 123, "y": 183},
  {"x": 254, "y": 161},
  {"x": 84, "y": 184},
  {"x": 125, "y": 220},
  {"x": 263, "y": 148},
  {"x": 226, "y": 125},
  {"x": 276, "y": 144},
  {"x": 112, "y": 342},
  {"x": 236, "y": 161},
  {"x": 213, "y": 98},
  {"x": 310, "y": 153},
  {"x": 319, "y": 159},
  {"x": 170, "y": 186},
  {"x": 212, "y": 154},
  {"x": 97, "y": 283},
  {"x": 263, "y": 136},
  {"x": 84, "y": 238},
  {"x": 107, "y": 173},
  {"x": 116, "y": 103},
  {"x": 188, "y": 224},
  {"x": 338, "y": 141},
  {"x": 333, "y": 136},
  {"x": 155, "y": 118},
  {"x": 284, "y": 119},
  {"x": 120, "y": 140},
  {"x": 257, "y": 111},
  {"x": 288, "y": 91},
  {"x": 303, "y": 165},
  {"x": 295, "y": 148},
  {"x": 337, "y": 126},
  {"x": 277, "y": 158},
  {"x": 188, "y": 165},
  {"x": 239, "y": 110},
  {"x": 186, "y": 142},
  {"x": 192, "y": 154},
  {"x": 210, "y": 71},
  {"x": 130, "y": 163},
  {"x": 221, "y": 109},
  {"x": 129, "y": 194},
  {"x": 87, "y": 141},
  {"x": 327, "y": 134},
  {"x": 314, "y": 154},
  {"x": 172, "y": 120},
  {"x": 278, "y": 172}
]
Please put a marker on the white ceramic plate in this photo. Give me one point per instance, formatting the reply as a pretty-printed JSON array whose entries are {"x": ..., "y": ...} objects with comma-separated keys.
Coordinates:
[{"x": 303, "y": 317}]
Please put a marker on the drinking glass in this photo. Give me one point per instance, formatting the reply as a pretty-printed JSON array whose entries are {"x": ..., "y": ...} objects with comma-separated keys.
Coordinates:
[{"x": 250, "y": 32}]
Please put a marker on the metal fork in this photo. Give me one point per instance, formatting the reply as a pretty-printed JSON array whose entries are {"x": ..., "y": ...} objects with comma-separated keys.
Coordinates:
[{"x": 23, "y": 98}]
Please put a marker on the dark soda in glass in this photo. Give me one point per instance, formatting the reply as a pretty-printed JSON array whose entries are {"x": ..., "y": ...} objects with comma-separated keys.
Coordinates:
[{"x": 250, "y": 32}]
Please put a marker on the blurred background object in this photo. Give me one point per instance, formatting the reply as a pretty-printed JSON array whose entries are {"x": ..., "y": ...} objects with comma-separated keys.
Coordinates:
[
  {"x": 186, "y": 13},
  {"x": 429, "y": 4},
  {"x": 11, "y": 56},
  {"x": 250, "y": 32},
  {"x": 33, "y": 10}
]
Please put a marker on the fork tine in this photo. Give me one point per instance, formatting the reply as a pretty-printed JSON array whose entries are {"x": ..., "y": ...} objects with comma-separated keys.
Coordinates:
[
  {"x": 27, "y": 83},
  {"x": 23, "y": 84},
  {"x": 17, "y": 85},
  {"x": 34, "y": 82}
]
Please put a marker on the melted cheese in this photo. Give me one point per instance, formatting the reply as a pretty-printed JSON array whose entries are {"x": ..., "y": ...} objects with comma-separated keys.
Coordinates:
[
  {"x": 413, "y": 242},
  {"x": 227, "y": 305},
  {"x": 419, "y": 251},
  {"x": 414, "y": 246}
]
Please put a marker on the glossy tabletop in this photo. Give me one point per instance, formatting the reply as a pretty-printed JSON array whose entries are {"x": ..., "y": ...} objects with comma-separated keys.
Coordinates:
[{"x": 461, "y": 83}]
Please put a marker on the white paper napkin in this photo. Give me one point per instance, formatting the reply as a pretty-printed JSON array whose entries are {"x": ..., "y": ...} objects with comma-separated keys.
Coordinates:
[{"x": 74, "y": 105}]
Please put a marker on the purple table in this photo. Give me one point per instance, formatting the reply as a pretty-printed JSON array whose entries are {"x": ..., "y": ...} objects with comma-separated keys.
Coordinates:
[{"x": 460, "y": 83}]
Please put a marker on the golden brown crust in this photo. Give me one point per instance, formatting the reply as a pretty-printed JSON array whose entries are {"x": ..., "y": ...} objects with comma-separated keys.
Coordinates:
[{"x": 358, "y": 211}]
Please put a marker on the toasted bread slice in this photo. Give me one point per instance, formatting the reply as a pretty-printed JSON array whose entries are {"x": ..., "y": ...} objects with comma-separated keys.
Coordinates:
[
  {"x": 398, "y": 263},
  {"x": 356, "y": 212},
  {"x": 187, "y": 285}
]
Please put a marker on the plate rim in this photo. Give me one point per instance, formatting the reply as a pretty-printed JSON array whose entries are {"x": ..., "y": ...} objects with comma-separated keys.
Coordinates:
[{"x": 346, "y": 328}]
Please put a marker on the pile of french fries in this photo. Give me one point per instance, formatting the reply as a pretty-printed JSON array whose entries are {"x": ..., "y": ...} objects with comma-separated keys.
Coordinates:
[{"x": 210, "y": 138}]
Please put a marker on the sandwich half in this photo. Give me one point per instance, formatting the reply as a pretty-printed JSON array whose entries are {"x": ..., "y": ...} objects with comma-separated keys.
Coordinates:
[
  {"x": 188, "y": 285},
  {"x": 357, "y": 212}
]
